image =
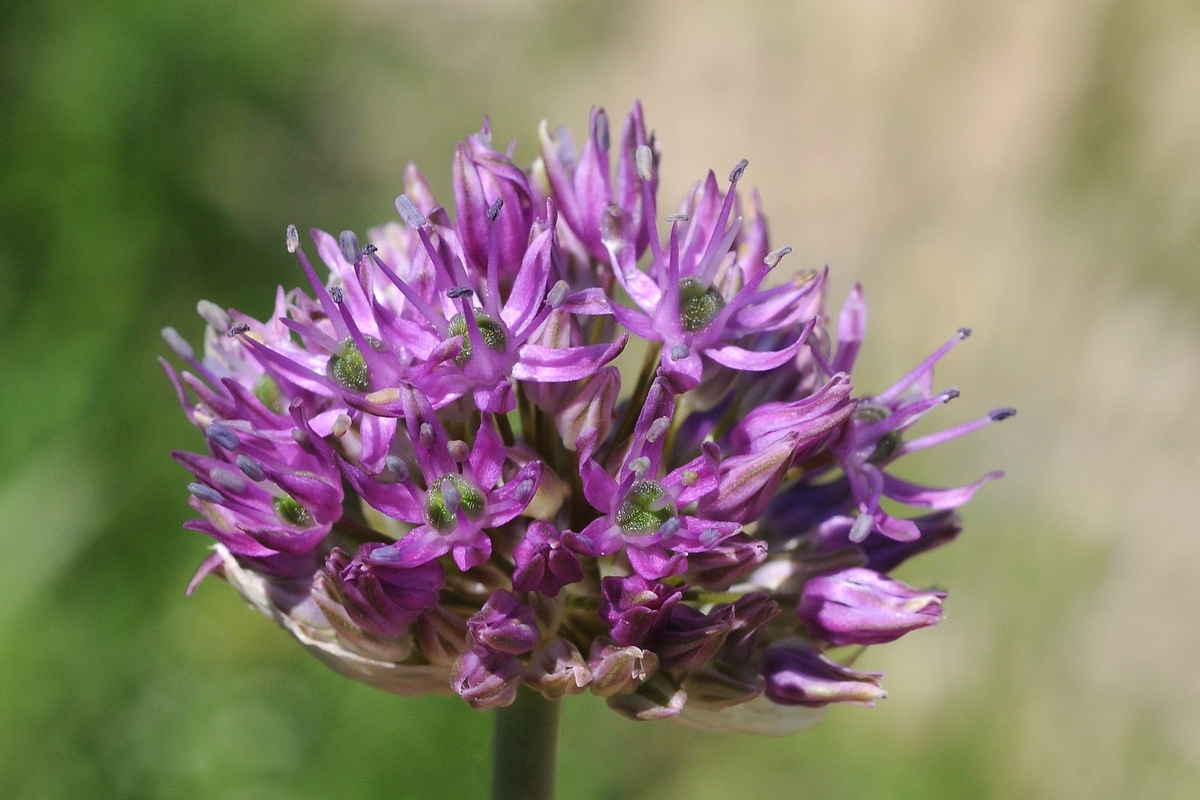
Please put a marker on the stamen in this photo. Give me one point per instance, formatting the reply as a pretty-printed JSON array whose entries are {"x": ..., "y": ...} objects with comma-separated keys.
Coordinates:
[
  {"x": 601, "y": 131},
  {"x": 395, "y": 466},
  {"x": 222, "y": 436},
  {"x": 292, "y": 239},
  {"x": 341, "y": 425},
  {"x": 677, "y": 217},
  {"x": 177, "y": 343},
  {"x": 679, "y": 351},
  {"x": 214, "y": 315},
  {"x": 250, "y": 468},
  {"x": 425, "y": 437},
  {"x": 348, "y": 242},
  {"x": 644, "y": 160},
  {"x": 557, "y": 294},
  {"x": 459, "y": 291},
  {"x": 524, "y": 491},
  {"x": 862, "y": 527},
  {"x": 658, "y": 428},
  {"x": 238, "y": 330},
  {"x": 671, "y": 527},
  {"x": 736, "y": 174},
  {"x": 1002, "y": 414},
  {"x": 336, "y": 294},
  {"x": 410, "y": 213},
  {"x": 205, "y": 493},
  {"x": 369, "y": 249},
  {"x": 964, "y": 333},
  {"x": 775, "y": 256},
  {"x": 460, "y": 451},
  {"x": 639, "y": 467},
  {"x": 227, "y": 479}
]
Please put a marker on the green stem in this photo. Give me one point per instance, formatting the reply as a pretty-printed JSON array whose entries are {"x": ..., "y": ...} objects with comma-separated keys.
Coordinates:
[{"x": 525, "y": 749}]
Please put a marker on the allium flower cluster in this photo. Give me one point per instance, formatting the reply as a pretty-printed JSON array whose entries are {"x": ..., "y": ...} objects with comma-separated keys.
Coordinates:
[{"x": 426, "y": 467}]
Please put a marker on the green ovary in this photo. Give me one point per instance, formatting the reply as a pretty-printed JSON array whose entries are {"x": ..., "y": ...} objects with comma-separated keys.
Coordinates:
[
  {"x": 267, "y": 392},
  {"x": 291, "y": 512},
  {"x": 489, "y": 328},
  {"x": 889, "y": 442},
  {"x": 441, "y": 518},
  {"x": 636, "y": 515},
  {"x": 698, "y": 306},
  {"x": 348, "y": 367}
]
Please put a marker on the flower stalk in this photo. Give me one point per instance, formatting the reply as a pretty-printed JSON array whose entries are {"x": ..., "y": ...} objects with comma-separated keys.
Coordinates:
[{"x": 525, "y": 748}]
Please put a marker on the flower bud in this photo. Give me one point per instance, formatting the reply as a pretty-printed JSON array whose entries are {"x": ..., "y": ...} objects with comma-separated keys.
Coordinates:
[
  {"x": 504, "y": 624},
  {"x": 691, "y": 637},
  {"x": 634, "y": 607},
  {"x": 481, "y": 177},
  {"x": 718, "y": 567},
  {"x": 486, "y": 679},
  {"x": 618, "y": 669},
  {"x": 380, "y": 597},
  {"x": 798, "y": 675},
  {"x": 860, "y": 606},
  {"x": 544, "y": 563},
  {"x": 441, "y": 635},
  {"x": 718, "y": 684},
  {"x": 659, "y": 697},
  {"x": 557, "y": 670},
  {"x": 591, "y": 408}
]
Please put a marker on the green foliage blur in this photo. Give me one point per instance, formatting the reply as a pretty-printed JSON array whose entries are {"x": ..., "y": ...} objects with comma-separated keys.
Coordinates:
[{"x": 151, "y": 154}]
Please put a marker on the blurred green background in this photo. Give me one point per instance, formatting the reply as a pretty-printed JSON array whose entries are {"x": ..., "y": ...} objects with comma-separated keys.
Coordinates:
[{"x": 1028, "y": 167}]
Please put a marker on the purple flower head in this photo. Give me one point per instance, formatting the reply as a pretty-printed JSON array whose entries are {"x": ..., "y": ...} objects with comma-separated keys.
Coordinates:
[
  {"x": 859, "y": 606},
  {"x": 425, "y": 466}
]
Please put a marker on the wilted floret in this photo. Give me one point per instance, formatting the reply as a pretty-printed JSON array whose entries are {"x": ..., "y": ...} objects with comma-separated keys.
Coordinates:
[{"x": 425, "y": 467}]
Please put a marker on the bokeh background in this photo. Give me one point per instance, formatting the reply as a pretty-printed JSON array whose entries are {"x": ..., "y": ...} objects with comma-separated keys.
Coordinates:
[{"x": 1030, "y": 168}]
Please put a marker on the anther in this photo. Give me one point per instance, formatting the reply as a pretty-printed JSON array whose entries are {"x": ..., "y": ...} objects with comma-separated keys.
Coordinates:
[
  {"x": 602, "y": 135},
  {"x": 451, "y": 496},
  {"x": 214, "y": 315},
  {"x": 250, "y": 468},
  {"x": 395, "y": 466},
  {"x": 425, "y": 436},
  {"x": 292, "y": 239},
  {"x": 677, "y": 218},
  {"x": 459, "y": 291},
  {"x": 336, "y": 295},
  {"x": 644, "y": 160},
  {"x": 205, "y": 493},
  {"x": 238, "y": 330},
  {"x": 964, "y": 333},
  {"x": 863, "y": 525},
  {"x": 1002, "y": 413},
  {"x": 639, "y": 467},
  {"x": 227, "y": 479},
  {"x": 300, "y": 437},
  {"x": 410, "y": 213},
  {"x": 689, "y": 478},
  {"x": 671, "y": 527},
  {"x": 679, "y": 351},
  {"x": 369, "y": 249},
  {"x": 494, "y": 209},
  {"x": 348, "y": 241},
  {"x": 177, "y": 343},
  {"x": 557, "y": 294},
  {"x": 341, "y": 424},
  {"x": 222, "y": 436},
  {"x": 460, "y": 451},
  {"x": 658, "y": 428},
  {"x": 950, "y": 394},
  {"x": 737, "y": 171},
  {"x": 775, "y": 256},
  {"x": 524, "y": 491}
]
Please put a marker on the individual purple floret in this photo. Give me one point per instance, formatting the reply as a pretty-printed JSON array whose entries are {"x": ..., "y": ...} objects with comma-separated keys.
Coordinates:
[{"x": 428, "y": 469}]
